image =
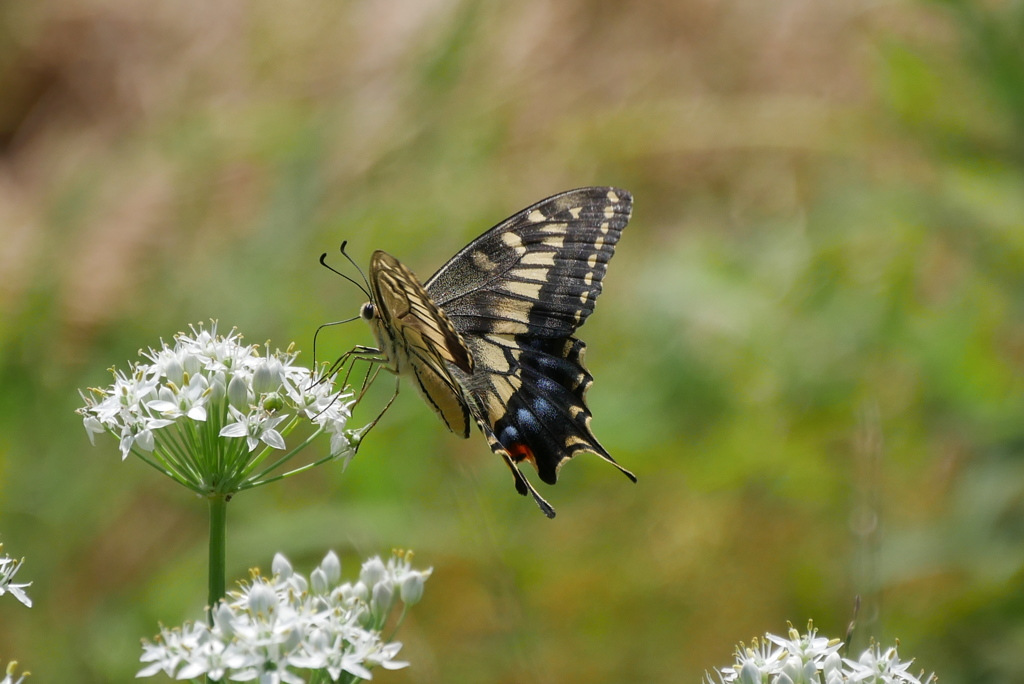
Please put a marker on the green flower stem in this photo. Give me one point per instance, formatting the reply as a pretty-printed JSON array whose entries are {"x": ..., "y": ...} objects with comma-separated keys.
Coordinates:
[
  {"x": 218, "y": 520},
  {"x": 279, "y": 462},
  {"x": 193, "y": 444},
  {"x": 161, "y": 465},
  {"x": 177, "y": 457},
  {"x": 249, "y": 484}
]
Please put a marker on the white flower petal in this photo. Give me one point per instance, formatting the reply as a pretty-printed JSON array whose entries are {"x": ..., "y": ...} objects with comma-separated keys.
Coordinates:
[
  {"x": 190, "y": 671},
  {"x": 356, "y": 668},
  {"x": 393, "y": 664},
  {"x": 273, "y": 439},
  {"x": 234, "y": 430},
  {"x": 151, "y": 670},
  {"x": 18, "y": 593},
  {"x": 145, "y": 440}
]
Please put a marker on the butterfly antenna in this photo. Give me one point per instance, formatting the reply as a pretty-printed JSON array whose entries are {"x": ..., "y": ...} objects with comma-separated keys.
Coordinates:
[
  {"x": 352, "y": 261},
  {"x": 323, "y": 262}
]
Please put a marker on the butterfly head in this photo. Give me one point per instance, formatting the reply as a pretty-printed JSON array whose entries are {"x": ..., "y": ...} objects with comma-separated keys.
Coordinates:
[{"x": 371, "y": 313}]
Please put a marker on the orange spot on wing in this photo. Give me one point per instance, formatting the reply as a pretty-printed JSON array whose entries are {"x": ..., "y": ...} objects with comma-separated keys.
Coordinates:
[{"x": 521, "y": 452}]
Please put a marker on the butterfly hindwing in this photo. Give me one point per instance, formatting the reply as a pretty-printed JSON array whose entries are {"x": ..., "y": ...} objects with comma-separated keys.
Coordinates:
[{"x": 531, "y": 393}]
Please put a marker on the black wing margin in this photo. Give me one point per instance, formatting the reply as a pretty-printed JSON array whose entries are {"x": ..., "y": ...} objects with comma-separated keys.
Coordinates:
[{"x": 538, "y": 272}]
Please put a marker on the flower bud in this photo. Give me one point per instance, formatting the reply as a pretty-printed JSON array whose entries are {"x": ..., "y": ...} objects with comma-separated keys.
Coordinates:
[
  {"x": 318, "y": 578},
  {"x": 238, "y": 393},
  {"x": 261, "y": 599},
  {"x": 218, "y": 388},
  {"x": 175, "y": 372},
  {"x": 373, "y": 572},
  {"x": 833, "y": 663},
  {"x": 412, "y": 589},
  {"x": 267, "y": 377},
  {"x": 281, "y": 567},
  {"x": 749, "y": 674},
  {"x": 223, "y": 619},
  {"x": 293, "y": 639},
  {"x": 383, "y": 593},
  {"x": 192, "y": 364},
  {"x": 331, "y": 566},
  {"x": 792, "y": 668},
  {"x": 318, "y": 640},
  {"x": 198, "y": 382}
]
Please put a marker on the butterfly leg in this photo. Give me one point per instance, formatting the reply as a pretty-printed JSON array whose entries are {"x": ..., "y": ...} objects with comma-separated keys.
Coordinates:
[
  {"x": 354, "y": 354},
  {"x": 373, "y": 362},
  {"x": 358, "y": 353},
  {"x": 373, "y": 368},
  {"x": 370, "y": 426}
]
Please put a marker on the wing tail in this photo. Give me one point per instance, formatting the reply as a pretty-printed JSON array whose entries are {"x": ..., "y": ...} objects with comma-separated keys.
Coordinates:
[
  {"x": 535, "y": 408},
  {"x": 523, "y": 486}
]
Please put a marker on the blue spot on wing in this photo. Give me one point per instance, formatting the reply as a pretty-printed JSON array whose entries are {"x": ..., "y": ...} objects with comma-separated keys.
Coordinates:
[
  {"x": 527, "y": 421},
  {"x": 509, "y": 435},
  {"x": 544, "y": 409}
]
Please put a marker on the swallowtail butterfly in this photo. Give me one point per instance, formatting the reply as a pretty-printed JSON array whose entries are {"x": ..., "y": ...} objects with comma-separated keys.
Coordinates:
[{"x": 489, "y": 338}]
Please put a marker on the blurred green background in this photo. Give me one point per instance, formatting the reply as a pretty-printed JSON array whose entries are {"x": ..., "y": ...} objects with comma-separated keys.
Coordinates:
[{"x": 809, "y": 347}]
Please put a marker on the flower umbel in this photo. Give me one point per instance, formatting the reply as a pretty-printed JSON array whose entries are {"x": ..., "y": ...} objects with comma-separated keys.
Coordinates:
[
  {"x": 282, "y": 628},
  {"x": 8, "y": 568},
  {"x": 200, "y": 410},
  {"x": 810, "y": 659}
]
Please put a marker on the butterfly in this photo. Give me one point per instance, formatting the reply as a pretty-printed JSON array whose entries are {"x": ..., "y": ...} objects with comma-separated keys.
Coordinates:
[{"x": 490, "y": 338}]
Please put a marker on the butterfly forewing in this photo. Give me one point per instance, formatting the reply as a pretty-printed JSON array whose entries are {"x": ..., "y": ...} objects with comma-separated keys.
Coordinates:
[
  {"x": 538, "y": 272},
  {"x": 419, "y": 340}
]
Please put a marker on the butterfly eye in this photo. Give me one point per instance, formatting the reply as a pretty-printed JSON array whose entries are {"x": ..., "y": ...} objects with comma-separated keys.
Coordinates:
[{"x": 367, "y": 312}]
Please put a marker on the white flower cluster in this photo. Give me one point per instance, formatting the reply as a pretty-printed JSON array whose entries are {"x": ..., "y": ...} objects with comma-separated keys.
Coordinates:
[
  {"x": 208, "y": 399},
  {"x": 8, "y": 569},
  {"x": 810, "y": 659},
  {"x": 271, "y": 630}
]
